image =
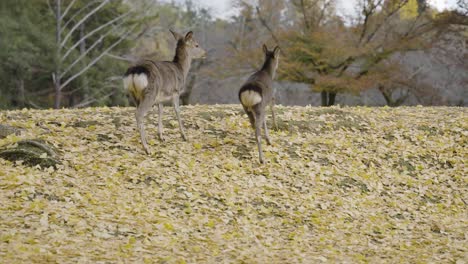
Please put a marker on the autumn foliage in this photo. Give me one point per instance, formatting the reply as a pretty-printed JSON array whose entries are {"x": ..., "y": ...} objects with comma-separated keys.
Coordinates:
[
  {"x": 334, "y": 53},
  {"x": 340, "y": 185}
]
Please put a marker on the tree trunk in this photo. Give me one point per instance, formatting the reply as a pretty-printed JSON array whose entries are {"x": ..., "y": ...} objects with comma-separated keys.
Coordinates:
[
  {"x": 58, "y": 39},
  {"x": 324, "y": 96},
  {"x": 82, "y": 51},
  {"x": 387, "y": 96},
  {"x": 58, "y": 93},
  {"x": 21, "y": 94},
  {"x": 331, "y": 98},
  {"x": 328, "y": 98}
]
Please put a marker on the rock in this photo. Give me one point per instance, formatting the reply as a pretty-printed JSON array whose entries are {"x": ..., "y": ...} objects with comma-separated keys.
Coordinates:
[{"x": 31, "y": 152}]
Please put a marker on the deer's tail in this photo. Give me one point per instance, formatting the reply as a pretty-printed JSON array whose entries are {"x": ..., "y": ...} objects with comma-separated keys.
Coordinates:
[
  {"x": 135, "y": 81},
  {"x": 250, "y": 95}
]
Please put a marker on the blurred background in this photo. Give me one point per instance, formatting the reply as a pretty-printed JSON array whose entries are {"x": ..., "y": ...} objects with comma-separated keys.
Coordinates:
[{"x": 73, "y": 53}]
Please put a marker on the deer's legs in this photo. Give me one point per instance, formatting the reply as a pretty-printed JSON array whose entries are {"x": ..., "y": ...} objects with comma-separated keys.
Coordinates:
[
  {"x": 140, "y": 114},
  {"x": 177, "y": 111},
  {"x": 267, "y": 135},
  {"x": 272, "y": 106},
  {"x": 258, "y": 136},
  {"x": 160, "y": 127},
  {"x": 250, "y": 115}
]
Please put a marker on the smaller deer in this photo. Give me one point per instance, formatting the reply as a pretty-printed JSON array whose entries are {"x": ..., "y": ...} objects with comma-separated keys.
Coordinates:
[
  {"x": 257, "y": 92},
  {"x": 154, "y": 82}
]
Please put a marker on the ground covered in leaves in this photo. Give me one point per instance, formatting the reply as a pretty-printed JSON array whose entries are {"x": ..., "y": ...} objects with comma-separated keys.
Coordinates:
[{"x": 340, "y": 185}]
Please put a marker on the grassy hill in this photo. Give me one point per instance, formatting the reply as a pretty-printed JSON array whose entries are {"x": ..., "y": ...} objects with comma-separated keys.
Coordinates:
[{"x": 340, "y": 185}]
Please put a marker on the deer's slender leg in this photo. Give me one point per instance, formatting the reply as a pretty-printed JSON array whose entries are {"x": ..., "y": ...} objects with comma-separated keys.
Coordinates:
[
  {"x": 267, "y": 135},
  {"x": 272, "y": 106},
  {"x": 258, "y": 136},
  {"x": 250, "y": 115},
  {"x": 140, "y": 114},
  {"x": 177, "y": 111},
  {"x": 160, "y": 127}
]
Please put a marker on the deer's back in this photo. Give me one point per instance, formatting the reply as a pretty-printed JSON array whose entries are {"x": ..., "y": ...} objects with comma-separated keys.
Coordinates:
[
  {"x": 262, "y": 80},
  {"x": 165, "y": 79}
]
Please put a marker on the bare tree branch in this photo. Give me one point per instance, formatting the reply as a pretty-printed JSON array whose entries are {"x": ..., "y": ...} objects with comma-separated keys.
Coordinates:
[
  {"x": 90, "y": 101},
  {"x": 368, "y": 9},
  {"x": 96, "y": 59},
  {"x": 71, "y": 19},
  {"x": 51, "y": 8},
  {"x": 265, "y": 24},
  {"x": 304, "y": 13},
  {"x": 29, "y": 102},
  {"x": 322, "y": 12},
  {"x": 82, "y": 56},
  {"x": 68, "y": 8},
  {"x": 121, "y": 58},
  {"x": 91, "y": 33},
  {"x": 392, "y": 12},
  {"x": 82, "y": 21}
]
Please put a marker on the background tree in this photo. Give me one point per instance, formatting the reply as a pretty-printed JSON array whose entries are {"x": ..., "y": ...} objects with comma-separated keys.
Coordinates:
[
  {"x": 338, "y": 58},
  {"x": 332, "y": 55},
  {"x": 84, "y": 32},
  {"x": 24, "y": 53},
  {"x": 400, "y": 50}
]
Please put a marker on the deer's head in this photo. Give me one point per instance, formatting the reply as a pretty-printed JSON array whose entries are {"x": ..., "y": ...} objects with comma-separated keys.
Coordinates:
[
  {"x": 272, "y": 57},
  {"x": 190, "y": 45}
]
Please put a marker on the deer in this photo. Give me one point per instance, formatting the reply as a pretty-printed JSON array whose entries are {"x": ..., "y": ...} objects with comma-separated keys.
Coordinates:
[
  {"x": 257, "y": 92},
  {"x": 152, "y": 82}
]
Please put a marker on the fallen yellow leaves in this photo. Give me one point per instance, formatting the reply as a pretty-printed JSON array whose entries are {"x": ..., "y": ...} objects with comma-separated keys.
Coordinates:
[{"x": 340, "y": 185}]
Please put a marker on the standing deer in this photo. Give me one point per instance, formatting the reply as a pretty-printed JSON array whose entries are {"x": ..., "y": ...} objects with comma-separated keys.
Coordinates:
[
  {"x": 257, "y": 92},
  {"x": 154, "y": 82}
]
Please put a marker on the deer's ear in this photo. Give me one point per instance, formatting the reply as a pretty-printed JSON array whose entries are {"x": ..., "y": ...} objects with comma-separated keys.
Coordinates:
[
  {"x": 265, "y": 49},
  {"x": 189, "y": 35},
  {"x": 276, "y": 51},
  {"x": 176, "y": 35}
]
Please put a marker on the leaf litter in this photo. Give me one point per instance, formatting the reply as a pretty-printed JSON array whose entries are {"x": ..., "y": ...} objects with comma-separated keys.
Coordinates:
[{"x": 340, "y": 185}]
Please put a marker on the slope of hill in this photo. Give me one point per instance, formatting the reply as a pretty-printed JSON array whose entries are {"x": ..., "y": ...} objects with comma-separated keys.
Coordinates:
[{"x": 340, "y": 185}]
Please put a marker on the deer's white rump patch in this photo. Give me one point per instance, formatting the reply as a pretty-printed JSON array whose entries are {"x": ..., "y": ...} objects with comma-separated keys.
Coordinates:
[
  {"x": 250, "y": 98},
  {"x": 135, "y": 84}
]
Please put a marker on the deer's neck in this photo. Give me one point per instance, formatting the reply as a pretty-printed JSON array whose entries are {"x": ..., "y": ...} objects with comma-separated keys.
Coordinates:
[
  {"x": 270, "y": 67},
  {"x": 182, "y": 59}
]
